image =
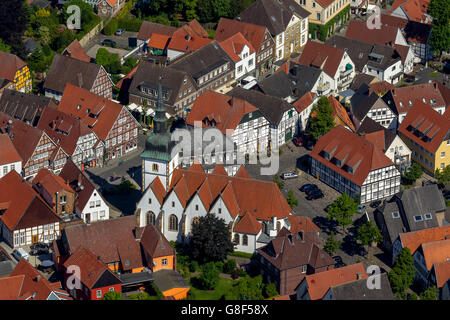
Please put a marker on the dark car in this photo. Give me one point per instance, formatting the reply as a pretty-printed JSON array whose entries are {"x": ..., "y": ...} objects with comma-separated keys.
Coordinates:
[
  {"x": 312, "y": 190},
  {"x": 375, "y": 204},
  {"x": 446, "y": 195},
  {"x": 297, "y": 141},
  {"x": 339, "y": 263},
  {"x": 315, "y": 195},
  {"x": 309, "y": 145},
  {"x": 109, "y": 43},
  {"x": 39, "y": 245},
  {"x": 39, "y": 251},
  {"x": 308, "y": 186}
]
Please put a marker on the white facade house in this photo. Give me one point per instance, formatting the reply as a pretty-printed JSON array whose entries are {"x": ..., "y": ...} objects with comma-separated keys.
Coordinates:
[
  {"x": 95, "y": 209},
  {"x": 242, "y": 53},
  {"x": 389, "y": 74},
  {"x": 9, "y": 157}
]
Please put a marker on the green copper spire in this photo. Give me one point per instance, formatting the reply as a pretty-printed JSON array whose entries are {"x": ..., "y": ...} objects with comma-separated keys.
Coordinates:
[{"x": 160, "y": 120}]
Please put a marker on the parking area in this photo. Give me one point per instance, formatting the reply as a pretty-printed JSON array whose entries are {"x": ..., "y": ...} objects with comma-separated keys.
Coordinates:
[{"x": 122, "y": 41}]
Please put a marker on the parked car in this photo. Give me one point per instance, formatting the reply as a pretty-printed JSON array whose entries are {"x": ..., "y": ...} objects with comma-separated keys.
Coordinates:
[
  {"x": 39, "y": 251},
  {"x": 109, "y": 43},
  {"x": 309, "y": 145},
  {"x": 361, "y": 208},
  {"x": 375, "y": 204},
  {"x": 39, "y": 245},
  {"x": 297, "y": 141},
  {"x": 446, "y": 195},
  {"x": 315, "y": 195},
  {"x": 308, "y": 186},
  {"x": 289, "y": 175},
  {"x": 339, "y": 263},
  {"x": 312, "y": 190},
  {"x": 20, "y": 254},
  {"x": 119, "y": 32}
]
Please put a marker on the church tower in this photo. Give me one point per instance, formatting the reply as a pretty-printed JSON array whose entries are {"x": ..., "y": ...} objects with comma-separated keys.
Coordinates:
[{"x": 157, "y": 160}]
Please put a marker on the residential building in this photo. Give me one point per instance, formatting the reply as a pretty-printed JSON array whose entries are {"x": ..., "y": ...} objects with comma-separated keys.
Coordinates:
[
  {"x": 193, "y": 193},
  {"x": 366, "y": 103},
  {"x": 65, "y": 70},
  {"x": 340, "y": 115},
  {"x": 89, "y": 203},
  {"x": 317, "y": 286},
  {"x": 55, "y": 191},
  {"x": 34, "y": 146},
  {"x": 111, "y": 122},
  {"x": 258, "y": 36},
  {"x": 16, "y": 72},
  {"x": 26, "y": 218},
  {"x": 289, "y": 257},
  {"x": 349, "y": 163},
  {"x": 6, "y": 263},
  {"x": 188, "y": 38},
  {"x": 324, "y": 11},
  {"x": 426, "y": 133},
  {"x": 286, "y": 21},
  {"x": 412, "y": 10},
  {"x": 179, "y": 89},
  {"x": 242, "y": 53},
  {"x": 10, "y": 159},
  {"x": 388, "y": 141},
  {"x": 94, "y": 276},
  {"x": 416, "y": 34},
  {"x": 304, "y": 106},
  {"x": 440, "y": 278},
  {"x": 76, "y": 51},
  {"x": 109, "y": 8},
  {"x": 161, "y": 33},
  {"x": 26, "y": 283},
  {"x": 282, "y": 116},
  {"x": 209, "y": 68},
  {"x": 25, "y": 107},
  {"x": 433, "y": 94},
  {"x": 359, "y": 290},
  {"x": 430, "y": 254},
  {"x": 335, "y": 62},
  {"x": 410, "y": 210}
]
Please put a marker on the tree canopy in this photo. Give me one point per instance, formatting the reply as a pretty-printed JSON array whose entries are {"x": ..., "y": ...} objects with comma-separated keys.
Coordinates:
[
  {"x": 291, "y": 199},
  {"x": 443, "y": 176},
  {"x": 368, "y": 233},
  {"x": 4, "y": 47},
  {"x": 247, "y": 288},
  {"x": 322, "y": 121},
  {"x": 431, "y": 293},
  {"x": 13, "y": 21},
  {"x": 331, "y": 244},
  {"x": 342, "y": 210},
  {"x": 439, "y": 10},
  {"x": 210, "y": 239},
  {"x": 402, "y": 273},
  {"x": 414, "y": 173},
  {"x": 112, "y": 295}
]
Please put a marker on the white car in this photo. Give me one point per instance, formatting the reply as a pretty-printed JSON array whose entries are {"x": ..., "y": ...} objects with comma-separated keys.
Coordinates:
[
  {"x": 289, "y": 175},
  {"x": 19, "y": 254}
]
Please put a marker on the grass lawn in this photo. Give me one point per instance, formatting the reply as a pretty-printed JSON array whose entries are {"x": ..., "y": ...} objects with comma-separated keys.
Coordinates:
[{"x": 223, "y": 286}]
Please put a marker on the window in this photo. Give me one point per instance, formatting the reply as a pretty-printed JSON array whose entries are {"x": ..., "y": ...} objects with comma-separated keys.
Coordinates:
[
  {"x": 236, "y": 238},
  {"x": 442, "y": 154},
  {"x": 155, "y": 167},
  {"x": 5, "y": 170},
  {"x": 151, "y": 218},
  {"x": 220, "y": 210},
  {"x": 196, "y": 207},
  {"x": 418, "y": 218},
  {"x": 92, "y": 204},
  {"x": 111, "y": 289},
  {"x": 395, "y": 215},
  {"x": 102, "y": 214},
  {"x": 173, "y": 223},
  {"x": 428, "y": 216},
  {"x": 99, "y": 294},
  {"x": 244, "y": 240},
  {"x": 304, "y": 269},
  {"x": 164, "y": 262},
  {"x": 97, "y": 203},
  {"x": 149, "y": 200},
  {"x": 173, "y": 204}
]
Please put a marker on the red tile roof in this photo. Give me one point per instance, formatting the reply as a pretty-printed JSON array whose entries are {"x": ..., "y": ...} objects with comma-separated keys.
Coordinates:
[
  {"x": 154, "y": 242},
  {"x": 158, "y": 189},
  {"x": 304, "y": 102},
  {"x": 413, "y": 31},
  {"x": 128, "y": 76},
  {"x": 248, "y": 224},
  {"x": 10, "y": 287},
  {"x": 413, "y": 240},
  {"x": 224, "y": 111},
  {"x": 436, "y": 252},
  {"x": 189, "y": 37},
  {"x": 242, "y": 173},
  {"x": 301, "y": 224},
  {"x": 415, "y": 10},
  {"x": 234, "y": 45},
  {"x": 79, "y": 103},
  {"x": 442, "y": 271},
  {"x": 358, "y": 30},
  {"x": 340, "y": 112},
  {"x": 319, "y": 283},
  {"x": 148, "y": 28},
  {"x": 252, "y": 32},
  {"x": 324, "y": 3},
  {"x": 322, "y": 56},
  {"x": 353, "y": 151},
  {"x": 263, "y": 199},
  {"x": 9, "y": 153},
  {"x": 381, "y": 87},
  {"x": 24, "y": 207},
  {"x": 158, "y": 41},
  {"x": 426, "y": 122},
  {"x": 51, "y": 182},
  {"x": 9, "y": 65},
  {"x": 76, "y": 51}
]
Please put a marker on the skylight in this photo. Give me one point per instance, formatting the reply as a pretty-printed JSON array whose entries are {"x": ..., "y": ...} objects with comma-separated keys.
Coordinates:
[
  {"x": 418, "y": 218},
  {"x": 428, "y": 216},
  {"x": 395, "y": 215},
  {"x": 273, "y": 18}
]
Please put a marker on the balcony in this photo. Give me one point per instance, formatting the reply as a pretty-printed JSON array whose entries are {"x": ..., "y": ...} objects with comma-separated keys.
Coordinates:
[
  {"x": 323, "y": 88},
  {"x": 345, "y": 82}
]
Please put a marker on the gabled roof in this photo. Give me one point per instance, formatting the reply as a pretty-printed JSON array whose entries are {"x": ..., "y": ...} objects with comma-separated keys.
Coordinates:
[
  {"x": 158, "y": 189},
  {"x": 304, "y": 102},
  {"x": 273, "y": 14},
  {"x": 69, "y": 71},
  {"x": 319, "y": 283},
  {"x": 376, "y": 133},
  {"x": 415, "y": 10},
  {"x": 76, "y": 51},
  {"x": 9, "y": 65},
  {"x": 322, "y": 56},
  {"x": 234, "y": 45},
  {"x": 362, "y": 78},
  {"x": 247, "y": 224},
  {"x": 91, "y": 268},
  {"x": 154, "y": 242},
  {"x": 358, "y": 30},
  {"x": 412, "y": 31},
  {"x": 8, "y": 152},
  {"x": 304, "y": 224},
  {"x": 97, "y": 112},
  {"x": 158, "y": 41},
  {"x": 359, "y": 290},
  {"x": 340, "y": 112},
  {"x": 364, "y": 99},
  {"x": 242, "y": 173},
  {"x": 442, "y": 271},
  {"x": 252, "y": 32},
  {"x": 413, "y": 240},
  {"x": 354, "y": 152},
  {"x": 148, "y": 28},
  {"x": 436, "y": 252},
  {"x": 189, "y": 37},
  {"x": 51, "y": 182},
  {"x": 425, "y": 126}
]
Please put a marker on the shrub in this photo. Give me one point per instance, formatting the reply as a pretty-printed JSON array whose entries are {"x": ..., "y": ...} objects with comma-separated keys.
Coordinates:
[
  {"x": 111, "y": 27},
  {"x": 219, "y": 266},
  {"x": 242, "y": 273},
  {"x": 193, "y": 266},
  {"x": 229, "y": 266},
  {"x": 270, "y": 290},
  {"x": 209, "y": 277}
]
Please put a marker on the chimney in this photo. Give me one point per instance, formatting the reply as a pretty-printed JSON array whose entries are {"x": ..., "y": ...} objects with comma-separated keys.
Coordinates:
[
  {"x": 274, "y": 220},
  {"x": 38, "y": 277},
  {"x": 358, "y": 276}
]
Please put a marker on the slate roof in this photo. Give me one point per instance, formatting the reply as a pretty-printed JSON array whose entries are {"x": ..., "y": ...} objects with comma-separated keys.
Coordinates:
[
  {"x": 358, "y": 290},
  {"x": 166, "y": 279},
  {"x": 363, "y": 100},
  {"x": 273, "y": 14},
  {"x": 393, "y": 225},
  {"x": 24, "y": 106},
  {"x": 360, "y": 79},
  {"x": 272, "y": 108}
]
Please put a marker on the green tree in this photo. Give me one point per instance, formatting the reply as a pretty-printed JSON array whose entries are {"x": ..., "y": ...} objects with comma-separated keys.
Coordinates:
[
  {"x": 323, "y": 121},
  {"x": 247, "y": 288},
  {"x": 229, "y": 266},
  {"x": 368, "y": 233},
  {"x": 210, "y": 239},
  {"x": 112, "y": 295},
  {"x": 111, "y": 27},
  {"x": 4, "y": 47},
  {"x": 291, "y": 199},
  {"x": 331, "y": 244},
  {"x": 87, "y": 13},
  {"x": 431, "y": 293},
  {"x": 443, "y": 176},
  {"x": 342, "y": 210},
  {"x": 440, "y": 33},
  {"x": 62, "y": 40},
  {"x": 270, "y": 290},
  {"x": 402, "y": 273},
  {"x": 209, "y": 277},
  {"x": 37, "y": 61},
  {"x": 13, "y": 23},
  {"x": 414, "y": 173},
  {"x": 278, "y": 181},
  {"x": 213, "y": 10}
]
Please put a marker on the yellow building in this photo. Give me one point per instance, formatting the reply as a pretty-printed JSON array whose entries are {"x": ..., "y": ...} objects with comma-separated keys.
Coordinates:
[
  {"x": 14, "y": 69},
  {"x": 427, "y": 134}
]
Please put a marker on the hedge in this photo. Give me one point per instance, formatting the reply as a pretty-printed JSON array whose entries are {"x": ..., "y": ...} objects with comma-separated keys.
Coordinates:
[
  {"x": 129, "y": 24},
  {"x": 111, "y": 27},
  {"x": 241, "y": 254}
]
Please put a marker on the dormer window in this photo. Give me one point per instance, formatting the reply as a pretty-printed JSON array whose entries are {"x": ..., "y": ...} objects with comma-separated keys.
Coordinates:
[{"x": 326, "y": 155}]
